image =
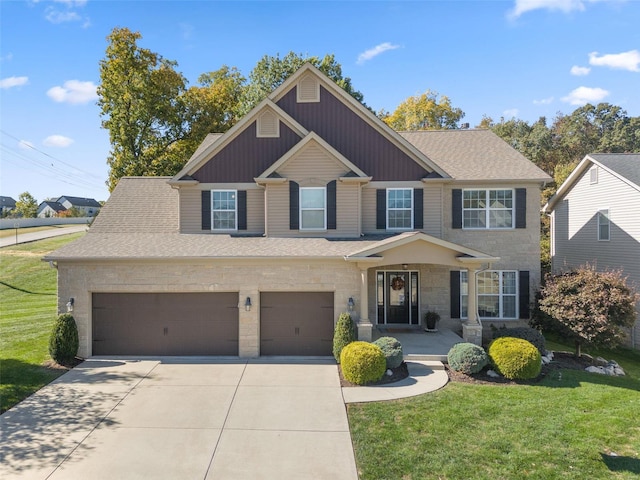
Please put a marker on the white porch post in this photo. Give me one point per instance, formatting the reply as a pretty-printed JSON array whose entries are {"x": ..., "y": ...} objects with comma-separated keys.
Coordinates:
[
  {"x": 364, "y": 326},
  {"x": 472, "y": 329}
]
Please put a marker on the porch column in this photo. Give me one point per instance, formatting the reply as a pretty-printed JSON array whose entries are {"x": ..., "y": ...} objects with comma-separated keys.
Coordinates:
[
  {"x": 472, "y": 328},
  {"x": 364, "y": 326}
]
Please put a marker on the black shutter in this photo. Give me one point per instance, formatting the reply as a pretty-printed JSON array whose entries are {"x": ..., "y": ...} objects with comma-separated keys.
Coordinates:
[
  {"x": 456, "y": 209},
  {"x": 206, "y": 210},
  {"x": 381, "y": 209},
  {"x": 294, "y": 206},
  {"x": 242, "y": 209},
  {"x": 521, "y": 208},
  {"x": 418, "y": 208},
  {"x": 523, "y": 294},
  {"x": 454, "y": 287},
  {"x": 331, "y": 205}
]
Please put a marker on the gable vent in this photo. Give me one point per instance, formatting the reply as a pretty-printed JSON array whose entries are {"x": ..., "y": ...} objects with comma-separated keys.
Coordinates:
[
  {"x": 308, "y": 89},
  {"x": 268, "y": 125}
]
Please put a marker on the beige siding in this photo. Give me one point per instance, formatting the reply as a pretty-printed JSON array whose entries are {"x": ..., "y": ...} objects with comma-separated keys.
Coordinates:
[
  {"x": 190, "y": 210},
  {"x": 277, "y": 199},
  {"x": 312, "y": 166},
  {"x": 347, "y": 210},
  {"x": 433, "y": 210},
  {"x": 369, "y": 210}
]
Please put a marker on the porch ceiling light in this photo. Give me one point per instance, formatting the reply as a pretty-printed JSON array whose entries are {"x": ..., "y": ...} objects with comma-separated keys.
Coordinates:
[{"x": 247, "y": 304}]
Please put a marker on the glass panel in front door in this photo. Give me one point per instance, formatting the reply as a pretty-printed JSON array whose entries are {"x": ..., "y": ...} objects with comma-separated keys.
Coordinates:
[{"x": 398, "y": 297}]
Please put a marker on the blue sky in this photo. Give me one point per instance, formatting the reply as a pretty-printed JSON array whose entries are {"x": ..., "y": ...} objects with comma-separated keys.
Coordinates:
[{"x": 522, "y": 58}]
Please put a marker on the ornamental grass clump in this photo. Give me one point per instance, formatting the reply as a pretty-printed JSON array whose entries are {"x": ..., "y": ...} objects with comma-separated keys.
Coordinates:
[
  {"x": 362, "y": 363},
  {"x": 515, "y": 358},
  {"x": 467, "y": 358},
  {"x": 343, "y": 335},
  {"x": 392, "y": 350},
  {"x": 63, "y": 342},
  {"x": 525, "y": 333}
]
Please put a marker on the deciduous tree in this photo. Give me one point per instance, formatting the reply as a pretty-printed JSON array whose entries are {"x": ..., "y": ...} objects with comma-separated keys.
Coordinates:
[
  {"x": 424, "y": 112},
  {"x": 26, "y": 206}
]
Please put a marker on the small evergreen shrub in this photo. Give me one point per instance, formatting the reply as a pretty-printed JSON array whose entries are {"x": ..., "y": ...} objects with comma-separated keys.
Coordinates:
[
  {"x": 467, "y": 358},
  {"x": 531, "y": 335},
  {"x": 392, "y": 350},
  {"x": 515, "y": 358},
  {"x": 362, "y": 363},
  {"x": 343, "y": 335},
  {"x": 63, "y": 342}
]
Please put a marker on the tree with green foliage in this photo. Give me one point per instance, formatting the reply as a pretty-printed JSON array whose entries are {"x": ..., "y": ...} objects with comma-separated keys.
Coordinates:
[
  {"x": 424, "y": 112},
  {"x": 26, "y": 206},
  {"x": 589, "y": 306},
  {"x": 63, "y": 342}
]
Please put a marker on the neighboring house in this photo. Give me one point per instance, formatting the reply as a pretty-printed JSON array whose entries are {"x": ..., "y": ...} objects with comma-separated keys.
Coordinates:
[
  {"x": 6, "y": 205},
  {"x": 308, "y": 207},
  {"x": 88, "y": 206},
  {"x": 595, "y": 218},
  {"x": 49, "y": 208}
]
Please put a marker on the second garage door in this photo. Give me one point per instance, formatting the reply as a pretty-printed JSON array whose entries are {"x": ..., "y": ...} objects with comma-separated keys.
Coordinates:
[
  {"x": 296, "y": 323},
  {"x": 165, "y": 323}
]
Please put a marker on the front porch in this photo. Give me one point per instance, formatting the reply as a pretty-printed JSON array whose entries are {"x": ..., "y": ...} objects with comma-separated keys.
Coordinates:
[{"x": 420, "y": 345}]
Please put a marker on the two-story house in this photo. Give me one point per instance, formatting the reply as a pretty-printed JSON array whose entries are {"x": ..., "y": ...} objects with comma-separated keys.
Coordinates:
[
  {"x": 595, "y": 219},
  {"x": 308, "y": 207},
  {"x": 88, "y": 206}
]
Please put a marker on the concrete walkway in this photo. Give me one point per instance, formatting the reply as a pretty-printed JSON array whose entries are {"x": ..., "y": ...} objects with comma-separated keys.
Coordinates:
[{"x": 54, "y": 231}]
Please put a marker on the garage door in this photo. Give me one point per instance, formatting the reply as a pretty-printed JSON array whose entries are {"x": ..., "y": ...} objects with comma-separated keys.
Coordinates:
[
  {"x": 165, "y": 323},
  {"x": 296, "y": 323}
]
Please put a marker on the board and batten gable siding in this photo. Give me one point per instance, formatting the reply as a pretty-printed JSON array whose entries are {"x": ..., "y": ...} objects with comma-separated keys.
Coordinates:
[
  {"x": 353, "y": 137},
  {"x": 246, "y": 156},
  {"x": 575, "y": 225},
  {"x": 191, "y": 207}
]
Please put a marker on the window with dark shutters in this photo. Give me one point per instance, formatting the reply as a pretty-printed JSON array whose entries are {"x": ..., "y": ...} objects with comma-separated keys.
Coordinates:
[
  {"x": 206, "y": 210},
  {"x": 418, "y": 208},
  {"x": 521, "y": 208},
  {"x": 331, "y": 205},
  {"x": 523, "y": 294},
  {"x": 242, "y": 209},
  {"x": 456, "y": 209},
  {"x": 381, "y": 209}
]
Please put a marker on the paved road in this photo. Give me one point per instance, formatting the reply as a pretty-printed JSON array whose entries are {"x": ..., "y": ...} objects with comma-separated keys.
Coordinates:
[{"x": 32, "y": 237}]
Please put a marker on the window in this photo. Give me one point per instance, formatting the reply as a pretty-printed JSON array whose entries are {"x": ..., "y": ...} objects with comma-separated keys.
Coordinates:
[
  {"x": 593, "y": 175},
  {"x": 313, "y": 215},
  {"x": 223, "y": 209},
  {"x": 604, "y": 225},
  {"x": 487, "y": 208},
  {"x": 497, "y": 293},
  {"x": 399, "y": 208}
]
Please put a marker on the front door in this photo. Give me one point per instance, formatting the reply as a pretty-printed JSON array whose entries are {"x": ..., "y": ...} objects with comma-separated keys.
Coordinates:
[{"x": 398, "y": 298}]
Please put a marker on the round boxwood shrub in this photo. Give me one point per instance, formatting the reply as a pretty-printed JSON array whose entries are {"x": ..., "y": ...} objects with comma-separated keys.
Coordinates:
[
  {"x": 392, "y": 350},
  {"x": 63, "y": 342},
  {"x": 531, "y": 335},
  {"x": 343, "y": 335},
  {"x": 515, "y": 358},
  {"x": 467, "y": 358},
  {"x": 362, "y": 363}
]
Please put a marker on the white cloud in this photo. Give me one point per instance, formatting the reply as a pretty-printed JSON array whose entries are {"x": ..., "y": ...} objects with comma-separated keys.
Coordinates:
[
  {"x": 375, "y": 51},
  {"x": 7, "y": 58},
  {"x": 68, "y": 13},
  {"x": 57, "y": 141},
  {"x": 56, "y": 16},
  {"x": 72, "y": 3},
  {"x": 511, "y": 113},
  {"x": 74, "y": 92},
  {"x": 565, "y": 6},
  {"x": 187, "y": 30},
  {"x": 584, "y": 95},
  {"x": 621, "y": 61},
  {"x": 544, "y": 101},
  {"x": 25, "y": 145},
  {"x": 11, "y": 82},
  {"x": 580, "y": 71}
]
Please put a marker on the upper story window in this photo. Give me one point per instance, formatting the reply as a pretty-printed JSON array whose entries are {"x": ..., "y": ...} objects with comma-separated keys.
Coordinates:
[
  {"x": 224, "y": 210},
  {"x": 487, "y": 208},
  {"x": 497, "y": 293},
  {"x": 593, "y": 175},
  {"x": 400, "y": 208},
  {"x": 604, "y": 225},
  {"x": 313, "y": 211}
]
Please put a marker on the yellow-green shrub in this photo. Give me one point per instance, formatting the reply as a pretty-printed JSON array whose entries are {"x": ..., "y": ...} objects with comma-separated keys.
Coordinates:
[
  {"x": 515, "y": 358},
  {"x": 362, "y": 363}
]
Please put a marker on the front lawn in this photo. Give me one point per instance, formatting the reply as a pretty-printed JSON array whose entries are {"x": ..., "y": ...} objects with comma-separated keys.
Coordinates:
[
  {"x": 27, "y": 313},
  {"x": 572, "y": 424}
]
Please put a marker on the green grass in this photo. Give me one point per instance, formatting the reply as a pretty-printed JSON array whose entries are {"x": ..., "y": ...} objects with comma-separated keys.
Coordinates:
[
  {"x": 27, "y": 314},
  {"x": 566, "y": 426}
]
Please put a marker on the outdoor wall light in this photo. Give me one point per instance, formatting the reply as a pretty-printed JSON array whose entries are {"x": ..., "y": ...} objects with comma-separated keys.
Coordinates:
[
  {"x": 70, "y": 304},
  {"x": 351, "y": 303},
  {"x": 405, "y": 266},
  {"x": 247, "y": 304}
]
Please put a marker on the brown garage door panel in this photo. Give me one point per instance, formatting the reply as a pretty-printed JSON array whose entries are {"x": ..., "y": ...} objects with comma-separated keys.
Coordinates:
[
  {"x": 296, "y": 323},
  {"x": 165, "y": 323}
]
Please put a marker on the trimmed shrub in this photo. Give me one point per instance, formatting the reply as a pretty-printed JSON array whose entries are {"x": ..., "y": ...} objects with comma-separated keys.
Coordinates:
[
  {"x": 63, "y": 342},
  {"x": 531, "y": 335},
  {"x": 515, "y": 358},
  {"x": 362, "y": 363},
  {"x": 343, "y": 335},
  {"x": 392, "y": 350},
  {"x": 467, "y": 358}
]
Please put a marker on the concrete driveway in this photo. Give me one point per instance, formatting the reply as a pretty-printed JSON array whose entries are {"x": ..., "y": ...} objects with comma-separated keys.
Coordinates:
[{"x": 174, "y": 418}]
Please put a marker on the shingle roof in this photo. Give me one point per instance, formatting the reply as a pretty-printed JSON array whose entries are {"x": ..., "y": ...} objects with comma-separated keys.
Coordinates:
[
  {"x": 55, "y": 206},
  {"x": 475, "y": 155},
  {"x": 7, "y": 202},
  {"x": 624, "y": 164},
  {"x": 80, "y": 201}
]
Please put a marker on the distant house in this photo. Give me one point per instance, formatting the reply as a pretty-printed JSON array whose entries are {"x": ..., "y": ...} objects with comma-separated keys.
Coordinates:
[
  {"x": 6, "y": 205},
  {"x": 595, "y": 218},
  {"x": 87, "y": 205},
  {"x": 50, "y": 208}
]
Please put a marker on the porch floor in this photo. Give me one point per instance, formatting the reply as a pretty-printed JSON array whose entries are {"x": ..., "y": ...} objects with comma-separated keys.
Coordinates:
[{"x": 420, "y": 345}]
